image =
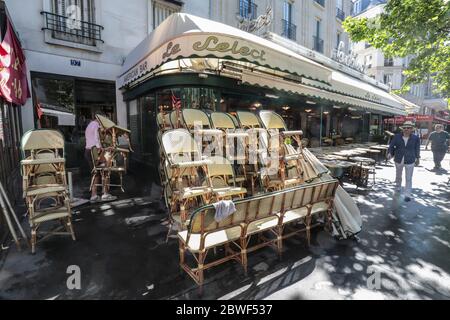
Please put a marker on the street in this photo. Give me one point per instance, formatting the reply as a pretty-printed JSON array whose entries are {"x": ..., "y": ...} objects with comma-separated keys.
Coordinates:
[{"x": 402, "y": 252}]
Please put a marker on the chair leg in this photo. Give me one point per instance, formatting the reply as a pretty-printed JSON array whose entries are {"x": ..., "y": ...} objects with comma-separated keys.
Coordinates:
[
  {"x": 308, "y": 229},
  {"x": 168, "y": 232},
  {"x": 33, "y": 239},
  {"x": 70, "y": 227},
  {"x": 244, "y": 254}
]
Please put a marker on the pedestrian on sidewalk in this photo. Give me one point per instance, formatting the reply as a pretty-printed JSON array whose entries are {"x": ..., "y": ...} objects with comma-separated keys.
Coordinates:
[
  {"x": 405, "y": 148},
  {"x": 92, "y": 135},
  {"x": 440, "y": 144}
]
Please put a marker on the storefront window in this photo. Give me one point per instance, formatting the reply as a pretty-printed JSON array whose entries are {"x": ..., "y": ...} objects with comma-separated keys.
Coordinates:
[{"x": 68, "y": 105}]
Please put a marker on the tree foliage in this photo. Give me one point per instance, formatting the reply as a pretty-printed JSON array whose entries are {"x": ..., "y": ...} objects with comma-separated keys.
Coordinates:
[{"x": 420, "y": 28}]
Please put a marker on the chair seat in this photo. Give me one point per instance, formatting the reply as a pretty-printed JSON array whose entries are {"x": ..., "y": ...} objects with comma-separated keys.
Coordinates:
[
  {"x": 43, "y": 190},
  {"x": 187, "y": 164},
  {"x": 193, "y": 192},
  {"x": 237, "y": 134},
  {"x": 292, "y": 133},
  {"x": 209, "y": 131},
  {"x": 50, "y": 215},
  {"x": 299, "y": 213},
  {"x": 262, "y": 224},
  {"x": 230, "y": 191},
  {"x": 42, "y": 161},
  {"x": 212, "y": 239}
]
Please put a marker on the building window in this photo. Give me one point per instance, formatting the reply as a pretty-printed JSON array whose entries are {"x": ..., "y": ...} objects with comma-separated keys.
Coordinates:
[
  {"x": 388, "y": 62},
  {"x": 247, "y": 9},
  {"x": 387, "y": 79},
  {"x": 338, "y": 39},
  {"x": 74, "y": 21},
  {"x": 340, "y": 14},
  {"x": 321, "y": 2},
  {"x": 368, "y": 61},
  {"x": 161, "y": 11},
  {"x": 317, "y": 41},
  {"x": 289, "y": 29}
]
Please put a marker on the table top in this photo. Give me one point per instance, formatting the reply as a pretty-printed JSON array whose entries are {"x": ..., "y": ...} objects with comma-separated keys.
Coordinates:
[{"x": 362, "y": 159}]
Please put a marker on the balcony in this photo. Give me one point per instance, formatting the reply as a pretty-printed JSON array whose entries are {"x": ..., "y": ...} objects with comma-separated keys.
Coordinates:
[
  {"x": 247, "y": 9},
  {"x": 340, "y": 14},
  {"x": 289, "y": 30},
  {"x": 317, "y": 44},
  {"x": 321, "y": 2},
  {"x": 66, "y": 29}
]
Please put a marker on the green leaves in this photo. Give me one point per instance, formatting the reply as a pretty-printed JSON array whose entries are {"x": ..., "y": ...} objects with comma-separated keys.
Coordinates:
[{"x": 411, "y": 27}]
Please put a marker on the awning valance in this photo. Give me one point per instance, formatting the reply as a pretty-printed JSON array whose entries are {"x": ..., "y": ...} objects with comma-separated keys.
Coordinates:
[{"x": 315, "y": 92}]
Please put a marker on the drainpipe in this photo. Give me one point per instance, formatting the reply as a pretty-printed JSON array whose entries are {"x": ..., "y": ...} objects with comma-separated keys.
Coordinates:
[
  {"x": 209, "y": 13},
  {"x": 321, "y": 119}
]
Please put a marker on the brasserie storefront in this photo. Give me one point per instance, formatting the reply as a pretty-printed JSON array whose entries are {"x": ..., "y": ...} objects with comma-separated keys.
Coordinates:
[{"x": 187, "y": 59}]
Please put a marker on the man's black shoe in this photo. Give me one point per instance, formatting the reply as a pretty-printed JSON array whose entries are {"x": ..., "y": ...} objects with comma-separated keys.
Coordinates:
[{"x": 407, "y": 199}]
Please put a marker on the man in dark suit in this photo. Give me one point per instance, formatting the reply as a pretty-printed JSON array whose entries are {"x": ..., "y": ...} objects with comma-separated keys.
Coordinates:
[{"x": 405, "y": 148}]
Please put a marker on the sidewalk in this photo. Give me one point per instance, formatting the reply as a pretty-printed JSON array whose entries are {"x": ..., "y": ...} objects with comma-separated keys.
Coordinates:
[{"x": 122, "y": 254}]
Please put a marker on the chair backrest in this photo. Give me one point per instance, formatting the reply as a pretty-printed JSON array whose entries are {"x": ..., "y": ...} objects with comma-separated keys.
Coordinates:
[
  {"x": 220, "y": 169},
  {"x": 248, "y": 119},
  {"x": 163, "y": 121},
  {"x": 42, "y": 139},
  {"x": 261, "y": 206},
  {"x": 272, "y": 120},
  {"x": 195, "y": 116},
  {"x": 104, "y": 122},
  {"x": 179, "y": 142},
  {"x": 222, "y": 120}
]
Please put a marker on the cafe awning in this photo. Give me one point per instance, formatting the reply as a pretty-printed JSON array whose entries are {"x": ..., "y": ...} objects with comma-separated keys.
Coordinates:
[{"x": 184, "y": 36}]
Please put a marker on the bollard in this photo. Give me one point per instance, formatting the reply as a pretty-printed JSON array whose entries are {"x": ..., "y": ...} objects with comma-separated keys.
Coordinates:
[{"x": 69, "y": 174}]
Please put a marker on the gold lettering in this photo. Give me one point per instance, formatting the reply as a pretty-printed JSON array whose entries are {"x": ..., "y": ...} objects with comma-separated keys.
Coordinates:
[
  {"x": 17, "y": 88},
  {"x": 198, "y": 47},
  {"x": 212, "y": 44},
  {"x": 222, "y": 47},
  {"x": 244, "y": 51},
  {"x": 16, "y": 64}
]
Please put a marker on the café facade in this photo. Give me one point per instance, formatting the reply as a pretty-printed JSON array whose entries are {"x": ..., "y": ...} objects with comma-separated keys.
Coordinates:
[{"x": 204, "y": 64}]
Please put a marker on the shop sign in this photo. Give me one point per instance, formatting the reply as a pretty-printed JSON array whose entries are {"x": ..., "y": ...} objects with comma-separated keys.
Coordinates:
[
  {"x": 212, "y": 44},
  {"x": 253, "y": 25},
  {"x": 75, "y": 63},
  {"x": 421, "y": 118},
  {"x": 350, "y": 60},
  {"x": 373, "y": 97}
]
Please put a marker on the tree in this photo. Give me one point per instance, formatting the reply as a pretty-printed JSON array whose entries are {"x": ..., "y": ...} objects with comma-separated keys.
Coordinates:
[{"x": 420, "y": 28}]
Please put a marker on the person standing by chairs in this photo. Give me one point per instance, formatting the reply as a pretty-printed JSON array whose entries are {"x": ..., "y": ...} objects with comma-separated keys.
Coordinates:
[
  {"x": 440, "y": 144},
  {"x": 405, "y": 148}
]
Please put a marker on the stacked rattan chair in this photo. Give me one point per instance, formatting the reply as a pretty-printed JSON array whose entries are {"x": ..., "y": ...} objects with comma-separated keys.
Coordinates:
[
  {"x": 44, "y": 183},
  {"x": 116, "y": 153}
]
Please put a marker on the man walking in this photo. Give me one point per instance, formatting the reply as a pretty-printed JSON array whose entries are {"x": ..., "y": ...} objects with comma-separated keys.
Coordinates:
[
  {"x": 440, "y": 143},
  {"x": 405, "y": 148}
]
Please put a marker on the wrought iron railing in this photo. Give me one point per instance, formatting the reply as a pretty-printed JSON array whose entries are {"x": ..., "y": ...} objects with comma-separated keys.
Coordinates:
[
  {"x": 65, "y": 28},
  {"x": 289, "y": 30},
  {"x": 317, "y": 44},
  {"x": 247, "y": 9},
  {"x": 340, "y": 14}
]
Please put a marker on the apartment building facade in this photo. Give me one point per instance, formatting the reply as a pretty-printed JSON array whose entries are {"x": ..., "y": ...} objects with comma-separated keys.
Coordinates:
[{"x": 431, "y": 107}]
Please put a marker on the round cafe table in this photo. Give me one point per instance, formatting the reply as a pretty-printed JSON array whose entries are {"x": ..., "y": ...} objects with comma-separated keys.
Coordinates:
[{"x": 364, "y": 160}]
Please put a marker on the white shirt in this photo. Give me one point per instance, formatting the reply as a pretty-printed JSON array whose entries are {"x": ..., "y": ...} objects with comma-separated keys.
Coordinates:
[
  {"x": 92, "y": 135},
  {"x": 406, "y": 140}
]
